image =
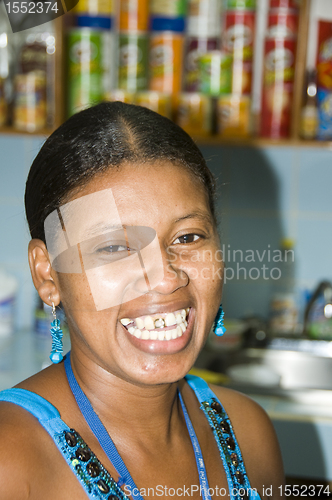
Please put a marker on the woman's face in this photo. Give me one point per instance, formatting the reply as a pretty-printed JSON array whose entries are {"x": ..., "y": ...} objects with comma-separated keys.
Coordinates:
[{"x": 143, "y": 315}]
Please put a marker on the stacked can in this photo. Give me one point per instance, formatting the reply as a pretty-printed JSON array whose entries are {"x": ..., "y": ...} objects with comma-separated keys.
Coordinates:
[
  {"x": 133, "y": 45},
  {"x": 167, "y": 24},
  {"x": 279, "y": 68},
  {"x": 90, "y": 47},
  {"x": 324, "y": 80},
  {"x": 238, "y": 35},
  {"x": 202, "y": 41}
]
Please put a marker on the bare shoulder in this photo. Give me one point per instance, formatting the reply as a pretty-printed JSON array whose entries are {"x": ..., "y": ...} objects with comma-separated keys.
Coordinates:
[{"x": 257, "y": 440}]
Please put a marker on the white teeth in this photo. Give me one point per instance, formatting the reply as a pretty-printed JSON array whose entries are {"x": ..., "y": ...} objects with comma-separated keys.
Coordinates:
[
  {"x": 175, "y": 333},
  {"x": 139, "y": 323},
  {"x": 145, "y": 335},
  {"x": 153, "y": 335},
  {"x": 159, "y": 323},
  {"x": 161, "y": 335},
  {"x": 138, "y": 333},
  {"x": 131, "y": 330},
  {"x": 170, "y": 320},
  {"x": 178, "y": 318},
  {"x": 183, "y": 328},
  {"x": 185, "y": 323},
  {"x": 125, "y": 321},
  {"x": 179, "y": 331},
  {"x": 168, "y": 334},
  {"x": 149, "y": 323},
  {"x": 183, "y": 314}
]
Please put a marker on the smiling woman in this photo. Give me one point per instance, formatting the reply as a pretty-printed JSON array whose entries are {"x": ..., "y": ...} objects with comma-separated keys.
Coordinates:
[{"x": 120, "y": 205}]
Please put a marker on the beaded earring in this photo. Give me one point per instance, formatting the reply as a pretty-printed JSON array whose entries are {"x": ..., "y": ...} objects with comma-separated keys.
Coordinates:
[
  {"x": 219, "y": 328},
  {"x": 56, "y": 332}
]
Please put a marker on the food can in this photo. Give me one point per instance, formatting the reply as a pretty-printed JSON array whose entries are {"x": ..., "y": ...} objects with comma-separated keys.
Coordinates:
[
  {"x": 156, "y": 101},
  {"x": 168, "y": 8},
  {"x": 30, "y": 110},
  {"x": 324, "y": 99},
  {"x": 238, "y": 40},
  {"x": 324, "y": 55},
  {"x": 284, "y": 4},
  {"x": 134, "y": 15},
  {"x": 3, "y": 103},
  {"x": 95, "y": 7},
  {"x": 215, "y": 69},
  {"x": 282, "y": 23},
  {"x": 121, "y": 95},
  {"x": 194, "y": 114},
  {"x": 240, "y": 4},
  {"x": 204, "y": 18},
  {"x": 85, "y": 68},
  {"x": 278, "y": 84},
  {"x": 165, "y": 62},
  {"x": 234, "y": 116},
  {"x": 133, "y": 61},
  {"x": 195, "y": 48}
]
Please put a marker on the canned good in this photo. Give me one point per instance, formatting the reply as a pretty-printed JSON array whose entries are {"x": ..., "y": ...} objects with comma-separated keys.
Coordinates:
[
  {"x": 215, "y": 73},
  {"x": 239, "y": 42},
  {"x": 204, "y": 18},
  {"x": 195, "y": 48},
  {"x": 278, "y": 84},
  {"x": 133, "y": 61},
  {"x": 324, "y": 99},
  {"x": 30, "y": 110},
  {"x": 284, "y": 4},
  {"x": 195, "y": 114},
  {"x": 85, "y": 68},
  {"x": 324, "y": 55},
  {"x": 241, "y": 4},
  {"x": 121, "y": 95},
  {"x": 156, "y": 101},
  {"x": 168, "y": 8},
  {"x": 234, "y": 116},
  {"x": 134, "y": 15},
  {"x": 95, "y": 7},
  {"x": 3, "y": 103},
  {"x": 165, "y": 62},
  {"x": 282, "y": 23}
]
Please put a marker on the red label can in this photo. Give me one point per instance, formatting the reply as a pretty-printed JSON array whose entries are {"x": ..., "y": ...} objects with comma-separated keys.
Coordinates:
[
  {"x": 278, "y": 83},
  {"x": 238, "y": 40},
  {"x": 284, "y": 4},
  {"x": 282, "y": 23},
  {"x": 324, "y": 55}
]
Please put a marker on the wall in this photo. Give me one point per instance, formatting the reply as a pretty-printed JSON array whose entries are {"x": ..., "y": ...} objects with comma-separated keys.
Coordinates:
[{"x": 263, "y": 195}]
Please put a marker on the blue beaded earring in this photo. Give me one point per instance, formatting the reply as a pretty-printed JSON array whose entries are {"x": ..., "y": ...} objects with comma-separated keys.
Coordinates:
[
  {"x": 219, "y": 328},
  {"x": 56, "y": 332}
]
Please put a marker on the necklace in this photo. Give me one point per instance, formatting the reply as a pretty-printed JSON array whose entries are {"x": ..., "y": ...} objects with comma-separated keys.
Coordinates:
[{"x": 109, "y": 447}]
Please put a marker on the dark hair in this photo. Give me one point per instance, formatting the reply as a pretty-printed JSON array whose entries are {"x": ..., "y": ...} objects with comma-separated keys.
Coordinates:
[{"x": 99, "y": 138}]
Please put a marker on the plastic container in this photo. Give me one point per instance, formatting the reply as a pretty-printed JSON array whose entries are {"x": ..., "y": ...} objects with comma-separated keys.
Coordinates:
[
  {"x": 318, "y": 315},
  {"x": 8, "y": 290}
]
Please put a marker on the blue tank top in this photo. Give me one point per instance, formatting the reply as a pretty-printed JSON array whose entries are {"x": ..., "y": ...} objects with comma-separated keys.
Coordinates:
[{"x": 95, "y": 479}]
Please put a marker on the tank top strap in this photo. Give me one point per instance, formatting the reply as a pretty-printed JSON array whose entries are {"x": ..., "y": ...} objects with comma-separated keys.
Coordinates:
[
  {"x": 92, "y": 475},
  {"x": 230, "y": 453}
]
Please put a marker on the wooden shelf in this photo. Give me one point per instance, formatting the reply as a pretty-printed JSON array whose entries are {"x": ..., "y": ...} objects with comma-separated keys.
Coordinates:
[
  {"x": 11, "y": 131},
  {"x": 259, "y": 142}
]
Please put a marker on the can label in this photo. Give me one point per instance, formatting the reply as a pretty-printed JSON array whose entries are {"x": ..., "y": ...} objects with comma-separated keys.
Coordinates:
[
  {"x": 195, "y": 48},
  {"x": 165, "y": 63},
  {"x": 195, "y": 114},
  {"x": 216, "y": 73},
  {"x": 278, "y": 83},
  {"x": 284, "y": 4},
  {"x": 282, "y": 23},
  {"x": 95, "y": 7},
  {"x": 324, "y": 99},
  {"x": 168, "y": 8},
  {"x": 241, "y": 4},
  {"x": 233, "y": 116},
  {"x": 239, "y": 42},
  {"x": 30, "y": 101},
  {"x": 156, "y": 101},
  {"x": 133, "y": 62},
  {"x": 134, "y": 15},
  {"x": 324, "y": 55}
]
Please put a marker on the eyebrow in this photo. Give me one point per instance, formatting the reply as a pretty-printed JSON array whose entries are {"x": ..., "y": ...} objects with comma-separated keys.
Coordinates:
[
  {"x": 203, "y": 216},
  {"x": 101, "y": 228}
]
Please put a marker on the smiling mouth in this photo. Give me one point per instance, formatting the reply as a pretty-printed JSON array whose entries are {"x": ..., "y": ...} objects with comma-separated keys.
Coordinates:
[{"x": 160, "y": 326}]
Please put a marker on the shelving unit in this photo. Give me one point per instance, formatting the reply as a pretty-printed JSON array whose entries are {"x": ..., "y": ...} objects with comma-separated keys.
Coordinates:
[{"x": 213, "y": 140}]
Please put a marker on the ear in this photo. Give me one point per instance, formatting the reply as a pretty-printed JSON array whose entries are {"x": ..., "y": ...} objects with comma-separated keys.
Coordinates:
[{"x": 42, "y": 272}]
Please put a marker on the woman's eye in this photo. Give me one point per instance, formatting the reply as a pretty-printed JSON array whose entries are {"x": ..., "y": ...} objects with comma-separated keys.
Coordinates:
[{"x": 187, "y": 238}]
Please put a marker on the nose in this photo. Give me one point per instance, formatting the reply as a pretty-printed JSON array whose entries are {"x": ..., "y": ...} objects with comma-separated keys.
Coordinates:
[{"x": 172, "y": 279}]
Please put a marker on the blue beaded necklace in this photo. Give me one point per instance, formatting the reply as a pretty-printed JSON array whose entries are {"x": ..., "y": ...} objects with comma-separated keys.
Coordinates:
[{"x": 109, "y": 447}]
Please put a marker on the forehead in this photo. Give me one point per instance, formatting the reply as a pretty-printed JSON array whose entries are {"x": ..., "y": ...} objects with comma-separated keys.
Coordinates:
[{"x": 144, "y": 194}]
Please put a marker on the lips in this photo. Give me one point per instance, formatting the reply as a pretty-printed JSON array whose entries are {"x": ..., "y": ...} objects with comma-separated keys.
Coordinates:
[{"x": 159, "y": 326}]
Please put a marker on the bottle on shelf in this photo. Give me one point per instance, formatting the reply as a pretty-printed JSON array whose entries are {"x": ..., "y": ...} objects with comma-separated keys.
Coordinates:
[{"x": 309, "y": 115}]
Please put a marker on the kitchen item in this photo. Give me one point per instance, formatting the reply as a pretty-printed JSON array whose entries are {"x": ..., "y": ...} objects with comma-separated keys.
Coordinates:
[
  {"x": 195, "y": 48},
  {"x": 30, "y": 105},
  {"x": 134, "y": 15},
  {"x": 165, "y": 62},
  {"x": 318, "y": 315},
  {"x": 215, "y": 73},
  {"x": 133, "y": 61}
]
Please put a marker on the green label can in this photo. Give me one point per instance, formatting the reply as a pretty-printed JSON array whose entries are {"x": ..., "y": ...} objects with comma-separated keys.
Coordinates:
[
  {"x": 241, "y": 4},
  {"x": 215, "y": 69},
  {"x": 168, "y": 8},
  {"x": 133, "y": 61},
  {"x": 85, "y": 68}
]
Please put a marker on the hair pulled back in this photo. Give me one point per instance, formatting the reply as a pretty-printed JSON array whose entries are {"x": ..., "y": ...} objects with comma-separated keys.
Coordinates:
[{"x": 97, "y": 139}]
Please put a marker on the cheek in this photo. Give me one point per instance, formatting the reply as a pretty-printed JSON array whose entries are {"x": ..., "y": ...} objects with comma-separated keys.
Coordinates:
[{"x": 75, "y": 293}]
